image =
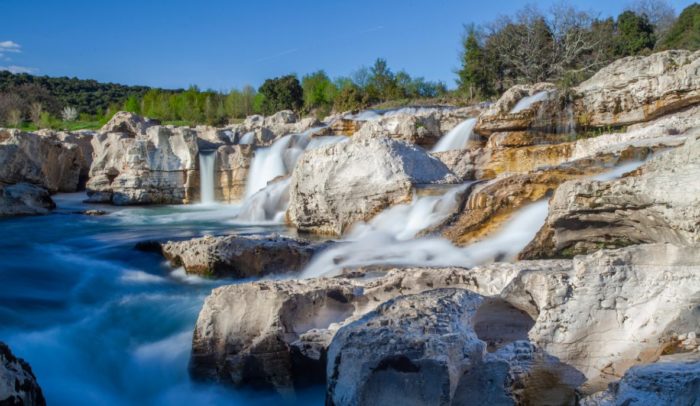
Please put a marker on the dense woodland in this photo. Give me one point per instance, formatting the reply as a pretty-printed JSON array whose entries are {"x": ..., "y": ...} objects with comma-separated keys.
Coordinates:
[{"x": 563, "y": 44}]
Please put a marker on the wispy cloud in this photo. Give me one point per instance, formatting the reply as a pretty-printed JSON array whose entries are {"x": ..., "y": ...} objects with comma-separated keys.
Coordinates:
[
  {"x": 277, "y": 55},
  {"x": 17, "y": 69},
  {"x": 10, "y": 46}
]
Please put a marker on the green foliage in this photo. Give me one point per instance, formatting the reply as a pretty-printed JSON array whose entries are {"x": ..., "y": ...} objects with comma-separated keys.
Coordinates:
[
  {"x": 351, "y": 97},
  {"x": 475, "y": 77},
  {"x": 685, "y": 32},
  {"x": 282, "y": 93},
  {"x": 319, "y": 92},
  {"x": 635, "y": 34}
]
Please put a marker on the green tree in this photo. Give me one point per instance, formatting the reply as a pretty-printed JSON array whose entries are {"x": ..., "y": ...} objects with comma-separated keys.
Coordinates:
[
  {"x": 132, "y": 105},
  {"x": 319, "y": 92},
  {"x": 383, "y": 80},
  {"x": 475, "y": 79},
  {"x": 635, "y": 34},
  {"x": 350, "y": 97},
  {"x": 685, "y": 32},
  {"x": 281, "y": 93}
]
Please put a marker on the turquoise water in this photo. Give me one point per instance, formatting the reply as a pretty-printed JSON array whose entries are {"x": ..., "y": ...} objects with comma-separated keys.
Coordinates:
[{"x": 102, "y": 323}]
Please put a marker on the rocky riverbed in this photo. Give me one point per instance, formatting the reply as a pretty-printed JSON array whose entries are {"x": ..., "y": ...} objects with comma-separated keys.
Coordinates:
[{"x": 549, "y": 253}]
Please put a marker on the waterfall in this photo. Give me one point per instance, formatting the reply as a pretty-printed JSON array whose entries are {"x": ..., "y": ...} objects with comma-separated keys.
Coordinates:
[
  {"x": 206, "y": 176},
  {"x": 265, "y": 200},
  {"x": 526, "y": 102},
  {"x": 457, "y": 138}
]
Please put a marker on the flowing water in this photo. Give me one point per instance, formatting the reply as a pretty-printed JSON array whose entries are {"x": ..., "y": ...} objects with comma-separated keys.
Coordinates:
[
  {"x": 526, "y": 102},
  {"x": 101, "y": 323},
  {"x": 457, "y": 138},
  {"x": 267, "y": 201},
  {"x": 207, "y": 159}
]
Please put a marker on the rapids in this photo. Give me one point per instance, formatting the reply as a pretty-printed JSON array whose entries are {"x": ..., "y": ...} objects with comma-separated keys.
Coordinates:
[{"x": 101, "y": 323}]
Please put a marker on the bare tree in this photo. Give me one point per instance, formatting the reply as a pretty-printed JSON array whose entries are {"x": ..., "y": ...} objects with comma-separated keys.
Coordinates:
[
  {"x": 14, "y": 118},
  {"x": 35, "y": 111},
  {"x": 69, "y": 113},
  {"x": 659, "y": 12}
]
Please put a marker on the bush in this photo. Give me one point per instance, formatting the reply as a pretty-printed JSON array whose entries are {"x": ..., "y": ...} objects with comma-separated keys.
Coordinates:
[
  {"x": 282, "y": 93},
  {"x": 685, "y": 32}
]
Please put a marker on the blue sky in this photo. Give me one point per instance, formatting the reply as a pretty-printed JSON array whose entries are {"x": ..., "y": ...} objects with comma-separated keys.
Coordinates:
[{"x": 223, "y": 44}]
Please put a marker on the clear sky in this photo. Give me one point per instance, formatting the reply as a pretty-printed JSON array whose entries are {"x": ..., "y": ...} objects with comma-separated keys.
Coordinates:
[{"x": 222, "y": 44}]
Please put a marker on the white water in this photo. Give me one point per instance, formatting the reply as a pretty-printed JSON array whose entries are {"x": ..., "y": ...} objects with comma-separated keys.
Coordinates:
[
  {"x": 526, "y": 102},
  {"x": 265, "y": 201},
  {"x": 457, "y": 138},
  {"x": 206, "y": 176},
  {"x": 388, "y": 238}
]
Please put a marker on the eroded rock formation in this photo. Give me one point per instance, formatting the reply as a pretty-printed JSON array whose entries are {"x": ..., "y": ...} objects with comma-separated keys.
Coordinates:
[{"x": 335, "y": 186}]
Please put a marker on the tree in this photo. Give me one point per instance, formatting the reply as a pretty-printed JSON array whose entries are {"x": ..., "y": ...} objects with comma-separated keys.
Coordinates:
[
  {"x": 14, "y": 118},
  {"x": 685, "y": 32},
  {"x": 383, "y": 80},
  {"x": 350, "y": 97},
  {"x": 281, "y": 93},
  {"x": 635, "y": 34},
  {"x": 69, "y": 113},
  {"x": 474, "y": 79},
  {"x": 659, "y": 12},
  {"x": 319, "y": 92},
  {"x": 35, "y": 112}
]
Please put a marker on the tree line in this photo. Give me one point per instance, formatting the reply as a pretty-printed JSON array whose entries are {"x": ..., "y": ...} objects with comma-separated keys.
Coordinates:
[
  {"x": 563, "y": 45},
  {"x": 567, "y": 45}
]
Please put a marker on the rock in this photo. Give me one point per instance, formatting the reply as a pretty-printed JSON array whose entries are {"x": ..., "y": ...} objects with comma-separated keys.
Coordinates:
[
  {"x": 674, "y": 380},
  {"x": 420, "y": 130},
  {"x": 501, "y": 116},
  {"x": 283, "y": 328},
  {"x": 659, "y": 203},
  {"x": 426, "y": 349},
  {"x": 639, "y": 88},
  {"x": 232, "y": 164},
  {"x": 159, "y": 167},
  {"x": 263, "y": 131},
  {"x": 240, "y": 257},
  {"x": 18, "y": 385},
  {"x": 128, "y": 123},
  {"x": 335, "y": 186},
  {"x": 614, "y": 309},
  {"x": 94, "y": 212},
  {"x": 24, "y": 199},
  {"x": 39, "y": 159}
]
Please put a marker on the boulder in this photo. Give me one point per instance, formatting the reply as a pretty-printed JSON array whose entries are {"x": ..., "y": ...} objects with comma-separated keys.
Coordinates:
[
  {"x": 335, "y": 186},
  {"x": 263, "y": 131},
  {"x": 613, "y": 309},
  {"x": 40, "y": 159},
  {"x": 674, "y": 380},
  {"x": 128, "y": 123},
  {"x": 240, "y": 257},
  {"x": 428, "y": 349},
  {"x": 420, "y": 130},
  {"x": 639, "y": 88},
  {"x": 159, "y": 167},
  {"x": 282, "y": 329},
  {"x": 18, "y": 385},
  {"x": 659, "y": 203},
  {"x": 24, "y": 199}
]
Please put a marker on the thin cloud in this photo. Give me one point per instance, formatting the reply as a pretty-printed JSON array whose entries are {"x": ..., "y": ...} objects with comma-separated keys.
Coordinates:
[
  {"x": 283, "y": 53},
  {"x": 10, "y": 46},
  {"x": 17, "y": 69}
]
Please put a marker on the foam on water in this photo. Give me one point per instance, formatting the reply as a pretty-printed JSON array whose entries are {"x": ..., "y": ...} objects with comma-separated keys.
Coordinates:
[{"x": 457, "y": 138}]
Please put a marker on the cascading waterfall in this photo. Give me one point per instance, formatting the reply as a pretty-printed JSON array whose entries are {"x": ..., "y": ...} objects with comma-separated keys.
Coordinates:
[
  {"x": 206, "y": 176},
  {"x": 388, "y": 239},
  {"x": 267, "y": 201},
  {"x": 457, "y": 138}
]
